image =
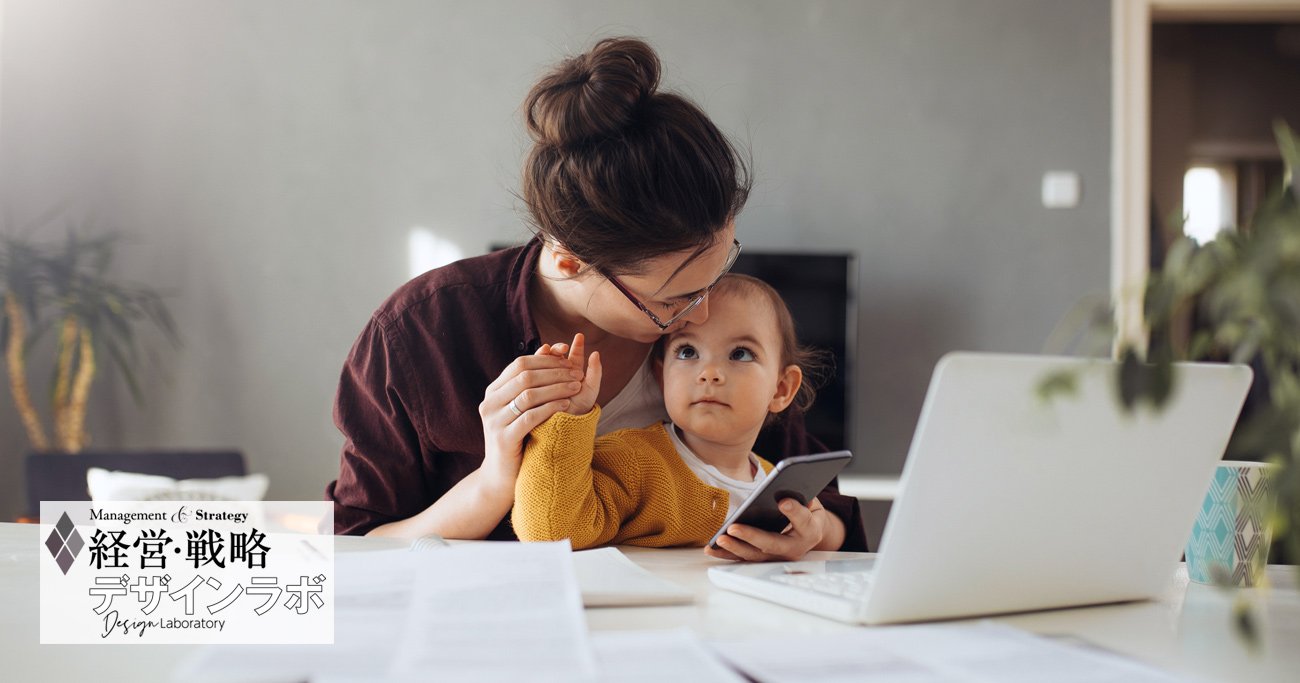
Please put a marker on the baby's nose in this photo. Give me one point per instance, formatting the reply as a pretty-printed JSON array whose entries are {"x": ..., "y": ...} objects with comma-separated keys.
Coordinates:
[{"x": 710, "y": 375}]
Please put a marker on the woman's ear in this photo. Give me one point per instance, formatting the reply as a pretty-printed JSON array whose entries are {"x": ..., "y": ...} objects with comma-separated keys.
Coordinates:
[
  {"x": 787, "y": 387},
  {"x": 565, "y": 263}
]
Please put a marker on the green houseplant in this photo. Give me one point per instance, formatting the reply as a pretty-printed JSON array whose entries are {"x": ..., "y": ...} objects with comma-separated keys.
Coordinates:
[
  {"x": 1235, "y": 298},
  {"x": 64, "y": 294},
  {"x": 1242, "y": 290}
]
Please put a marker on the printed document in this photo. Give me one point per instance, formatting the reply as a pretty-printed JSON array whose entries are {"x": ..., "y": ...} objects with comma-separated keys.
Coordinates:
[{"x": 503, "y": 611}]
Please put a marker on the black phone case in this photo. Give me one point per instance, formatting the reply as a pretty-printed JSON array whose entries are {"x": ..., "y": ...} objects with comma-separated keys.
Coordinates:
[{"x": 801, "y": 477}]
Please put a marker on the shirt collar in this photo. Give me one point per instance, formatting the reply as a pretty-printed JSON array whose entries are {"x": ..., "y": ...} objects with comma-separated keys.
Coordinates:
[
  {"x": 523, "y": 329},
  {"x": 693, "y": 461}
]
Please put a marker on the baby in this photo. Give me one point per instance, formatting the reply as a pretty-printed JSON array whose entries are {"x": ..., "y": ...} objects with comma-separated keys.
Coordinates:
[{"x": 675, "y": 483}]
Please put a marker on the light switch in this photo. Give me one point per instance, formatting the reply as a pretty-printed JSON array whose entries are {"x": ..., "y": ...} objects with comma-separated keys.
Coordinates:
[{"x": 1061, "y": 189}]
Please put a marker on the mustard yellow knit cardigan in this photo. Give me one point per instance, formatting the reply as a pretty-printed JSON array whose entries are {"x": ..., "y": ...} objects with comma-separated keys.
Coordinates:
[{"x": 626, "y": 487}]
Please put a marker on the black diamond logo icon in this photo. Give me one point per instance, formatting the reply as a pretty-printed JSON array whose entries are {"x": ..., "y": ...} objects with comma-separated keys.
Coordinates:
[
  {"x": 64, "y": 560},
  {"x": 75, "y": 544},
  {"x": 64, "y": 543},
  {"x": 54, "y": 543},
  {"x": 65, "y": 526}
]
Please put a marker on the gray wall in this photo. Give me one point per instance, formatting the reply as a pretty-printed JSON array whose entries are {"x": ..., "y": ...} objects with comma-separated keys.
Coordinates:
[{"x": 272, "y": 157}]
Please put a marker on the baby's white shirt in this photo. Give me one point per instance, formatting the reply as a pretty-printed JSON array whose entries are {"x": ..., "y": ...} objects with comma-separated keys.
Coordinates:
[{"x": 738, "y": 490}]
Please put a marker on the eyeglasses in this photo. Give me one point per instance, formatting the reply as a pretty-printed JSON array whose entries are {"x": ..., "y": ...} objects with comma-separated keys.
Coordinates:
[{"x": 687, "y": 307}]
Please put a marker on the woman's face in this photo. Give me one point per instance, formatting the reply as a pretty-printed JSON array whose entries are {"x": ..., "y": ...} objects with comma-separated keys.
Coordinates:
[{"x": 664, "y": 286}]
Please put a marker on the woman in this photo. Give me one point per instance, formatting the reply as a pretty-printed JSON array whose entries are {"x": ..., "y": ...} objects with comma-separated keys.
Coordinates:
[{"x": 633, "y": 195}]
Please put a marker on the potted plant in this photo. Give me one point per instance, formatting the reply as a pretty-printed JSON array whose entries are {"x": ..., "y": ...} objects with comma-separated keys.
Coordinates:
[
  {"x": 64, "y": 294},
  {"x": 1235, "y": 298}
]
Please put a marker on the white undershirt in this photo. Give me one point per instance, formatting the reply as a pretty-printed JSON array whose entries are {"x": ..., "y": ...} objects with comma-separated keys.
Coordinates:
[
  {"x": 737, "y": 489},
  {"x": 640, "y": 403}
]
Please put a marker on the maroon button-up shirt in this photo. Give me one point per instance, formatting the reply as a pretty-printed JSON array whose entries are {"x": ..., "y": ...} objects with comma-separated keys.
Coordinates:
[{"x": 408, "y": 397}]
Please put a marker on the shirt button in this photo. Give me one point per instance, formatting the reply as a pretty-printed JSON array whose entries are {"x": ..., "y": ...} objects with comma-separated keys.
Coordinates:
[{"x": 521, "y": 346}]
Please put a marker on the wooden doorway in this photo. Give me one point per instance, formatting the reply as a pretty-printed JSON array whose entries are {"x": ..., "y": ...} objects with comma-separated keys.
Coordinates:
[{"x": 1131, "y": 138}]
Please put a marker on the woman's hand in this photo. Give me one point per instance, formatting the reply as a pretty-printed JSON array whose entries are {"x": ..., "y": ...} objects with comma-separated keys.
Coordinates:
[
  {"x": 809, "y": 526},
  {"x": 530, "y": 390}
]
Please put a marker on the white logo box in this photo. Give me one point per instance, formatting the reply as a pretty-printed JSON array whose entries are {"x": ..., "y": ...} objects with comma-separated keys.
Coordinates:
[{"x": 187, "y": 571}]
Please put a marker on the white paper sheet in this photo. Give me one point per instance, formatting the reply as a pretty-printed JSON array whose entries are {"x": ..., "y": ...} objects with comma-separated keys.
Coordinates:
[
  {"x": 656, "y": 657},
  {"x": 496, "y": 612},
  {"x": 930, "y": 654},
  {"x": 607, "y": 578}
]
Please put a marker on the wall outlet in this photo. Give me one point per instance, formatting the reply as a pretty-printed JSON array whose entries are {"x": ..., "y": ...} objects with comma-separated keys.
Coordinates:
[{"x": 1061, "y": 189}]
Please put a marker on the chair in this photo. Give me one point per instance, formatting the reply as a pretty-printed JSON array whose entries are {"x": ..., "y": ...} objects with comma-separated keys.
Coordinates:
[{"x": 62, "y": 476}]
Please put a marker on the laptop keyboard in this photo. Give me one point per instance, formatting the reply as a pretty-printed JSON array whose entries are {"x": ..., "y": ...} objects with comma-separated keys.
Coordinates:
[{"x": 849, "y": 585}]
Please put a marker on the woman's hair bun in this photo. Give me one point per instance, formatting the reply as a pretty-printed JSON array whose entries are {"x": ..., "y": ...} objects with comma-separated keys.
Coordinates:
[
  {"x": 621, "y": 172},
  {"x": 594, "y": 95}
]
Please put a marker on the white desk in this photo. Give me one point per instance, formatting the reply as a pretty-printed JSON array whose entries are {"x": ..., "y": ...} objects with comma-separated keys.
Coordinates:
[{"x": 1188, "y": 630}]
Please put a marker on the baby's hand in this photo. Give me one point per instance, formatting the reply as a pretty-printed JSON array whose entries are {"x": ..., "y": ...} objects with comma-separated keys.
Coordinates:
[
  {"x": 751, "y": 544},
  {"x": 585, "y": 399}
]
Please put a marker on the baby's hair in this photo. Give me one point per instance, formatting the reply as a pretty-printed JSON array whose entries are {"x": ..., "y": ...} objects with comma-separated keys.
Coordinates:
[{"x": 811, "y": 361}]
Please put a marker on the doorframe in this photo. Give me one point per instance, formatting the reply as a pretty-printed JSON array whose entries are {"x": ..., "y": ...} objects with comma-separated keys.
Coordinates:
[{"x": 1130, "y": 145}]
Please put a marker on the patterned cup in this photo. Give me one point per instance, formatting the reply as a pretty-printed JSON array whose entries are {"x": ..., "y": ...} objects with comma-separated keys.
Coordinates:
[{"x": 1231, "y": 535}]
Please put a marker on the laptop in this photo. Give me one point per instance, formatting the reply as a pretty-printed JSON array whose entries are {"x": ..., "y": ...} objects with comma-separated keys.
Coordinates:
[{"x": 1009, "y": 502}]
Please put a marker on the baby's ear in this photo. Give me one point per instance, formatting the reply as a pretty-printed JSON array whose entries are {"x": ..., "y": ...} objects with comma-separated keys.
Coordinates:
[{"x": 787, "y": 387}]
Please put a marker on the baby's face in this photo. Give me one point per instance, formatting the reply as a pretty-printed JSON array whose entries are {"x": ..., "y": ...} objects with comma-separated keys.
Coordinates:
[{"x": 720, "y": 377}]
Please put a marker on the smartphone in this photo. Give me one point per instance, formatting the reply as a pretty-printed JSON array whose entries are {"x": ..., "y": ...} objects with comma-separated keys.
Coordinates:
[{"x": 801, "y": 477}]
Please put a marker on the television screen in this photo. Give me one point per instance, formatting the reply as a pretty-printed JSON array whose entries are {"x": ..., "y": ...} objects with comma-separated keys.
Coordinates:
[{"x": 818, "y": 289}]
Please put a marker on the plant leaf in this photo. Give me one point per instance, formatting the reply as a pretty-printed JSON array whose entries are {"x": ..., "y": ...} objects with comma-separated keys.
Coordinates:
[
  {"x": 1058, "y": 383},
  {"x": 1290, "y": 149},
  {"x": 1130, "y": 379},
  {"x": 127, "y": 370}
]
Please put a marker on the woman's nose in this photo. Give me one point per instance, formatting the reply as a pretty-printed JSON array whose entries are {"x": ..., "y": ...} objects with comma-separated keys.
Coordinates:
[{"x": 700, "y": 313}]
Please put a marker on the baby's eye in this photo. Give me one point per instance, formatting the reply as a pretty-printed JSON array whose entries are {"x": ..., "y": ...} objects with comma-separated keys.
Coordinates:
[
  {"x": 684, "y": 352},
  {"x": 742, "y": 354}
]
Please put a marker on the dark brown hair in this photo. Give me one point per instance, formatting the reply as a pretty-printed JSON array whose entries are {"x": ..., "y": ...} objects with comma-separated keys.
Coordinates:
[
  {"x": 813, "y": 362},
  {"x": 620, "y": 172}
]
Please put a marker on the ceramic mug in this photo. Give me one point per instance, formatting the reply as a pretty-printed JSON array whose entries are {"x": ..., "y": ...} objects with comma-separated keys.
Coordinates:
[{"x": 1231, "y": 536}]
